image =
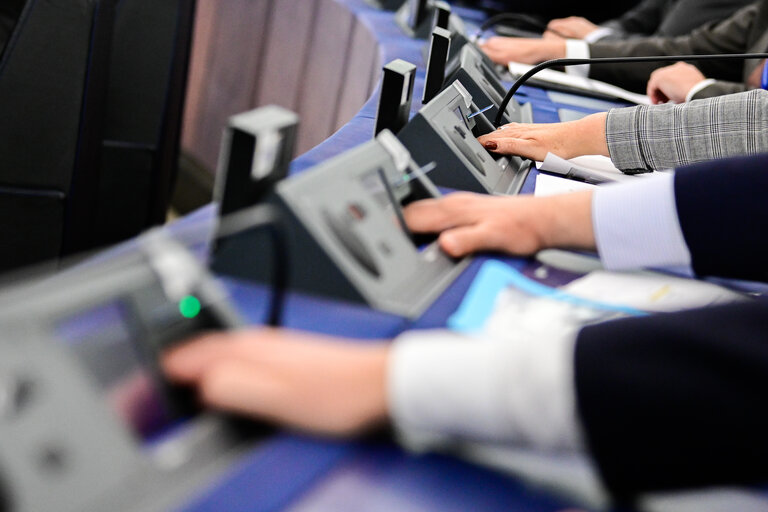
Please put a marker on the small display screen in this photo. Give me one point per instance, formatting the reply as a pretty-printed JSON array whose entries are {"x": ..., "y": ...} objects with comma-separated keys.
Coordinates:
[
  {"x": 461, "y": 116},
  {"x": 103, "y": 340},
  {"x": 389, "y": 197}
]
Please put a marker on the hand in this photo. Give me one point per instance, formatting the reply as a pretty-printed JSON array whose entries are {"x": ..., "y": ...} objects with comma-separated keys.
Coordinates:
[
  {"x": 520, "y": 225},
  {"x": 585, "y": 136},
  {"x": 574, "y": 27},
  {"x": 307, "y": 382},
  {"x": 672, "y": 83},
  {"x": 503, "y": 50}
]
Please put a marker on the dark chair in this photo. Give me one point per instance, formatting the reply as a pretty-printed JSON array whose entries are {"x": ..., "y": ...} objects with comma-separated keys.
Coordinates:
[
  {"x": 52, "y": 89},
  {"x": 145, "y": 101}
]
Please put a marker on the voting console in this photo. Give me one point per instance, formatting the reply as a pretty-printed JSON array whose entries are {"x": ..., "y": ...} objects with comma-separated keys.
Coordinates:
[
  {"x": 417, "y": 18},
  {"x": 94, "y": 425},
  {"x": 477, "y": 74},
  {"x": 445, "y": 131},
  {"x": 347, "y": 238}
]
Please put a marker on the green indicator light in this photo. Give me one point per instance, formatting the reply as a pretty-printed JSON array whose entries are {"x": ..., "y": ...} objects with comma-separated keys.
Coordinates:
[{"x": 189, "y": 306}]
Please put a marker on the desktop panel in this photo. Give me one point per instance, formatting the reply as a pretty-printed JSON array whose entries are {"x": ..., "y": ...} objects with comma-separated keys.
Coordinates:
[
  {"x": 346, "y": 235},
  {"x": 445, "y": 131},
  {"x": 95, "y": 425}
]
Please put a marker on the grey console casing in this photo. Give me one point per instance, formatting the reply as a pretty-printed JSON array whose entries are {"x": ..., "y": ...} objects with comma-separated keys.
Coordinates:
[
  {"x": 346, "y": 238},
  {"x": 66, "y": 445},
  {"x": 443, "y": 132},
  {"x": 482, "y": 82}
]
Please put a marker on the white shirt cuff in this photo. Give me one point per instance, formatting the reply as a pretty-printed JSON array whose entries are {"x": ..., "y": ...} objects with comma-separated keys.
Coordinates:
[
  {"x": 699, "y": 86},
  {"x": 598, "y": 34},
  {"x": 446, "y": 386},
  {"x": 636, "y": 224},
  {"x": 577, "y": 49}
]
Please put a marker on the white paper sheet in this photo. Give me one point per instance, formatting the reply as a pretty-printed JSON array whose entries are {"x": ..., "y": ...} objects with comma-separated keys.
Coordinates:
[
  {"x": 547, "y": 185},
  {"x": 586, "y": 84},
  {"x": 650, "y": 291}
]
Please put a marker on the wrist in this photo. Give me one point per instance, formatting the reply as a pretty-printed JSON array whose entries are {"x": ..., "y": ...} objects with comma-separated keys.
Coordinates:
[
  {"x": 586, "y": 136},
  {"x": 565, "y": 221},
  {"x": 552, "y": 49}
]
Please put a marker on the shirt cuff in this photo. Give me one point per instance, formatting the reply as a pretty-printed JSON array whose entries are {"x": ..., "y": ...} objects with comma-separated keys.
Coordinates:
[
  {"x": 598, "y": 34},
  {"x": 636, "y": 224},
  {"x": 698, "y": 87},
  {"x": 577, "y": 49},
  {"x": 445, "y": 386}
]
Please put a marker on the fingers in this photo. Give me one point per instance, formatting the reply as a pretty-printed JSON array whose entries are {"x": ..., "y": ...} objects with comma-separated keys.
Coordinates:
[
  {"x": 236, "y": 385},
  {"x": 549, "y": 34},
  {"x": 187, "y": 363},
  {"x": 434, "y": 215},
  {"x": 465, "y": 240}
]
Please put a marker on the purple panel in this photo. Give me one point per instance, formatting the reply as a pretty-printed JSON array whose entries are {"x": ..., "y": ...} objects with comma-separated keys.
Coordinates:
[
  {"x": 232, "y": 71},
  {"x": 324, "y": 73},
  {"x": 363, "y": 61},
  {"x": 285, "y": 58}
]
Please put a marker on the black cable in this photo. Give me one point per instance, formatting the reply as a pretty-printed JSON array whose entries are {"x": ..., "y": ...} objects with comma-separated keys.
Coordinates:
[{"x": 612, "y": 60}]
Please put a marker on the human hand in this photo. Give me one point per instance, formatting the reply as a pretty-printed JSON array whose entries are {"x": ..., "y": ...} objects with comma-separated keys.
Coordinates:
[
  {"x": 574, "y": 27},
  {"x": 585, "y": 136},
  {"x": 304, "y": 381},
  {"x": 520, "y": 225},
  {"x": 672, "y": 83},
  {"x": 503, "y": 50}
]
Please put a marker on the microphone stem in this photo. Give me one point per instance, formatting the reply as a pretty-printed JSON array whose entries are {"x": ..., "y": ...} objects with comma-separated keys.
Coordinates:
[{"x": 612, "y": 60}]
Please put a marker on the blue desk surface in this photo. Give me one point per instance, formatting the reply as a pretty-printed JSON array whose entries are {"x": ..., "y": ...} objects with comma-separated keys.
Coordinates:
[{"x": 294, "y": 472}]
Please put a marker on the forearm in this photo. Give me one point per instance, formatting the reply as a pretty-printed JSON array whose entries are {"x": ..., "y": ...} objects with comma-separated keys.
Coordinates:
[{"x": 666, "y": 136}]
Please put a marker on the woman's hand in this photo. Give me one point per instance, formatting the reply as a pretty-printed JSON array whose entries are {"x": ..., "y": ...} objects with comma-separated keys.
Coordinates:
[
  {"x": 582, "y": 137},
  {"x": 304, "y": 381}
]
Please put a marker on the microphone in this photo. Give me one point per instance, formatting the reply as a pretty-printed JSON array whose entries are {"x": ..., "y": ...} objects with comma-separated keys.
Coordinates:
[{"x": 613, "y": 60}]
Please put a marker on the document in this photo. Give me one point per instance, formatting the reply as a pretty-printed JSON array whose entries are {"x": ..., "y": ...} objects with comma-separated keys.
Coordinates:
[
  {"x": 547, "y": 185},
  {"x": 650, "y": 291},
  {"x": 576, "y": 82}
]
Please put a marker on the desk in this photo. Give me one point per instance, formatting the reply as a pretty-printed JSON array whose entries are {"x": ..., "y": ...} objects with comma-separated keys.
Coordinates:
[{"x": 291, "y": 472}]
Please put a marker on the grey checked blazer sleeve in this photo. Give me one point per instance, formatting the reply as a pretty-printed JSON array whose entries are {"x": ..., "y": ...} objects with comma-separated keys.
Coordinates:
[{"x": 648, "y": 137}]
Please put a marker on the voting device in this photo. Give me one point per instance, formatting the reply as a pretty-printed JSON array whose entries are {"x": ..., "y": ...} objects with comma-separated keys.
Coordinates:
[
  {"x": 445, "y": 131},
  {"x": 395, "y": 96},
  {"x": 347, "y": 237},
  {"x": 478, "y": 76},
  {"x": 417, "y": 18},
  {"x": 438, "y": 56},
  {"x": 256, "y": 151},
  {"x": 87, "y": 421}
]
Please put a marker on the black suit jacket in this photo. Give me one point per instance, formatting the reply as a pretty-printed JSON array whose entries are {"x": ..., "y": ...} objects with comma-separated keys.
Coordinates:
[
  {"x": 745, "y": 31},
  {"x": 9, "y": 14},
  {"x": 679, "y": 400},
  {"x": 669, "y": 18}
]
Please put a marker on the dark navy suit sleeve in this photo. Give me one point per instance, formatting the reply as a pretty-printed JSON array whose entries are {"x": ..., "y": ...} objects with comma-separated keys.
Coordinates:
[
  {"x": 676, "y": 400},
  {"x": 723, "y": 210},
  {"x": 679, "y": 399}
]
